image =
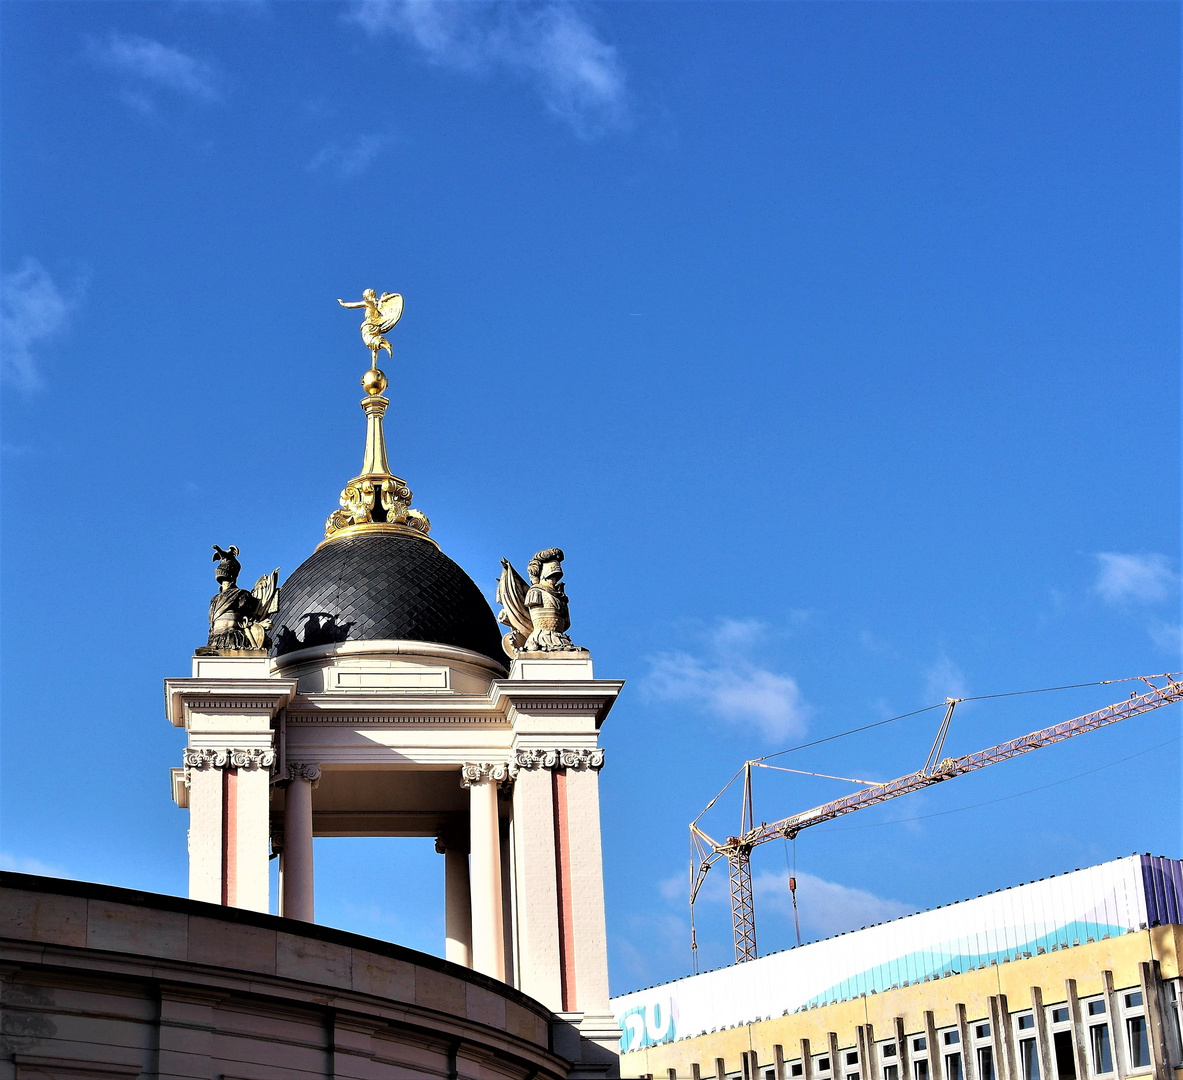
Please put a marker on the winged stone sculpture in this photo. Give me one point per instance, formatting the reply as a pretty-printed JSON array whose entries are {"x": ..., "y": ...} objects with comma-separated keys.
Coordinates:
[
  {"x": 536, "y": 613},
  {"x": 239, "y": 619},
  {"x": 382, "y": 312}
]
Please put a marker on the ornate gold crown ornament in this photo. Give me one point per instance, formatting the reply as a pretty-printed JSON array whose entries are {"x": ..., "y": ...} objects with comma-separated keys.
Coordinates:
[{"x": 376, "y": 500}]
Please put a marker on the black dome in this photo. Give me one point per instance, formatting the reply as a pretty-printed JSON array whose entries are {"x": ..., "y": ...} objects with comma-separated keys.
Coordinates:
[{"x": 383, "y": 586}]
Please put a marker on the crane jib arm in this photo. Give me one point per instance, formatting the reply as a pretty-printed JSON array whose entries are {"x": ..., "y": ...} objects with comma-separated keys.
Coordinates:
[
  {"x": 959, "y": 766},
  {"x": 737, "y": 849}
]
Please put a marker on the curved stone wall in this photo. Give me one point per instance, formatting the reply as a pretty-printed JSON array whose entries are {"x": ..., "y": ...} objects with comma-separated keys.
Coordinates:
[{"x": 100, "y": 982}]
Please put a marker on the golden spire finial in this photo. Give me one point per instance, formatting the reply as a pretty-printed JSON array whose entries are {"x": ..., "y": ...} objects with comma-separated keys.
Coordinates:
[{"x": 376, "y": 499}]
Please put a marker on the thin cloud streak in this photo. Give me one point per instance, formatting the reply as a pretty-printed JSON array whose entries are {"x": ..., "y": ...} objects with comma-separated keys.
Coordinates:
[
  {"x": 351, "y": 158},
  {"x": 1168, "y": 637},
  {"x": 552, "y": 46},
  {"x": 726, "y": 684},
  {"x": 21, "y": 864},
  {"x": 1123, "y": 579},
  {"x": 944, "y": 679},
  {"x": 34, "y": 311},
  {"x": 155, "y": 65}
]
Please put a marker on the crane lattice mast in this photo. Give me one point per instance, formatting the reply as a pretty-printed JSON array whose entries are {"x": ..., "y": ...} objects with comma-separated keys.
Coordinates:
[{"x": 737, "y": 850}]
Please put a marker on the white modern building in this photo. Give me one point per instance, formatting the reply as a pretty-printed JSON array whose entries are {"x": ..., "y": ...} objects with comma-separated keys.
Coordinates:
[{"x": 1073, "y": 977}]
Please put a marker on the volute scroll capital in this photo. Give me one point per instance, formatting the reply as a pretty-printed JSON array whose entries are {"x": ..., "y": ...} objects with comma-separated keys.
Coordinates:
[
  {"x": 501, "y": 773},
  {"x": 559, "y": 759},
  {"x": 228, "y": 758},
  {"x": 299, "y": 770}
]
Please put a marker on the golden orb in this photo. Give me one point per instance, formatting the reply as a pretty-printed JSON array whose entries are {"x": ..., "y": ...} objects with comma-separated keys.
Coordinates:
[{"x": 373, "y": 382}]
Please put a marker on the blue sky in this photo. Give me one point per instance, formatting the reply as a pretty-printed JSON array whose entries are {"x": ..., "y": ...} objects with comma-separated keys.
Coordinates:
[{"x": 837, "y": 344}]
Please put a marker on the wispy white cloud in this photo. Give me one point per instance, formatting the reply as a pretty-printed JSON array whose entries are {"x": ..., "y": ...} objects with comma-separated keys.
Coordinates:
[
  {"x": 825, "y": 907},
  {"x": 944, "y": 679},
  {"x": 1122, "y": 579},
  {"x": 1168, "y": 637},
  {"x": 34, "y": 311},
  {"x": 147, "y": 65},
  {"x": 654, "y": 942},
  {"x": 726, "y": 683},
  {"x": 350, "y": 158},
  {"x": 553, "y": 46},
  {"x": 22, "y": 864}
]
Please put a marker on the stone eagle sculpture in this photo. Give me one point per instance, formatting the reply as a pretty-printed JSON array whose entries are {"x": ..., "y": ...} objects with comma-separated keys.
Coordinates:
[{"x": 537, "y": 613}]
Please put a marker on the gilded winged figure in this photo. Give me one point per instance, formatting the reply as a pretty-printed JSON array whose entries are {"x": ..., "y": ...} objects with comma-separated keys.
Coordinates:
[
  {"x": 536, "y": 613},
  {"x": 382, "y": 312}
]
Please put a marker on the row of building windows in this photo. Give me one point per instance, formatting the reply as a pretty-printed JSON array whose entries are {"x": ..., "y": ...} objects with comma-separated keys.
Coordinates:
[{"x": 1101, "y": 1047}]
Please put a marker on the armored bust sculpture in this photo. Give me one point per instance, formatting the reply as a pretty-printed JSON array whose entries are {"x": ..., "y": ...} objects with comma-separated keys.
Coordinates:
[
  {"x": 537, "y": 614},
  {"x": 239, "y": 619}
]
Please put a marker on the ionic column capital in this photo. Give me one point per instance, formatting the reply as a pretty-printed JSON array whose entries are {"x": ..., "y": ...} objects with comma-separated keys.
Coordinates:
[
  {"x": 303, "y": 770},
  {"x": 227, "y": 758},
  {"x": 484, "y": 772},
  {"x": 559, "y": 759}
]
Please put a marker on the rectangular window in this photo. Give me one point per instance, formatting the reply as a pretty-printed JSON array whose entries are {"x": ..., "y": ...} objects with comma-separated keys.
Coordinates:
[
  {"x": 952, "y": 1067},
  {"x": 1063, "y": 1055},
  {"x": 1102, "y": 1052},
  {"x": 952, "y": 1038},
  {"x": 889, "y": 1050},
  {"x": 1139, "y": 1043},
  {"x": 1096, "y": 1008},
  {"x": 920, "y": 1068},
  {"x": 891, "y": 1072},
  {"x": 920, "y": 1044},
  {"x": 1132, "y": 1001},
  {"x": 852, "y": 1057},
  {"x": 1026, "y": 1021},
  {"x": 852, "y": 1076},
  {"x": 1060, "y": 1016},
  {"x": 986, "y": 1063},
  {"x": 823, "y": 1064},
  {"x": 797, "y": 1069},
  {"x": 1029, "y": 1055},
  {"x": 769, "y": 1074},
  {"x": 982, "y": 1031}
]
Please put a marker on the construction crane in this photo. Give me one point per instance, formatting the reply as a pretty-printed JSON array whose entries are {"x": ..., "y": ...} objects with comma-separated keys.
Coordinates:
[{"x": 737, "y": 850}]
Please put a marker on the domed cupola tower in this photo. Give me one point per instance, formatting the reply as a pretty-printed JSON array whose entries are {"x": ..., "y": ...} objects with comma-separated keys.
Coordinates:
[
  {"x": 372, "y": 693},
  {"x": 378, "y": 576}
]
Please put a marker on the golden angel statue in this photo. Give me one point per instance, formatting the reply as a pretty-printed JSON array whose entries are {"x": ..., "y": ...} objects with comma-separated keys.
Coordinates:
[
  {"x": 382, "y": 312},
  {"x": 536, "y": 613},
  {"x": 239, "y": 619}
]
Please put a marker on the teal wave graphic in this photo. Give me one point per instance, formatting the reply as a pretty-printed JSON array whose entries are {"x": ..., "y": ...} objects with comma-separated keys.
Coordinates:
[{"x": 922, "y": 964}]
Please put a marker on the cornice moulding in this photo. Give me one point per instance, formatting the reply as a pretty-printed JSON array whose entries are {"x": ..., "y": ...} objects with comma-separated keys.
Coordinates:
[
  {"x": 594, "y": 696},
  {"x": 254, "y": 695}
]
